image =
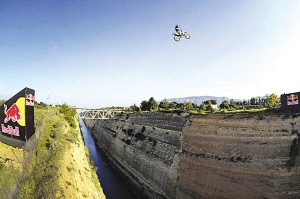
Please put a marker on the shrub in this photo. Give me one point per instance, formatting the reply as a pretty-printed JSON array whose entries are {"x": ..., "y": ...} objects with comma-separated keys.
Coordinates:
[{"x": 69, "y": 113}]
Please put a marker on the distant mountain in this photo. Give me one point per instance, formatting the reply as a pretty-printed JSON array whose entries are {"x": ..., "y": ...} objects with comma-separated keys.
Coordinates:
[{"x": 198, "y": 99}]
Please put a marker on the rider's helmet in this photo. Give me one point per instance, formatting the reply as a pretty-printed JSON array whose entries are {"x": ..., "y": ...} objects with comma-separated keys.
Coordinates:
[{"x": 178, "y": 29}]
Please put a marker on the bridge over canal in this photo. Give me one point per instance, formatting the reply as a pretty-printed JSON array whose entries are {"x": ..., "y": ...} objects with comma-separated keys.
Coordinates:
[{"x": 99, "y": 113}]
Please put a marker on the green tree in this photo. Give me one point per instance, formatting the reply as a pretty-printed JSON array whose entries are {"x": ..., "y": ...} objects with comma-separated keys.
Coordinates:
[
  {"x": 2, "y": 102},
  {"x": 233, "y": 104},
  {"x": 152, "y": 104},
  {"x": 207, "y": 102},
  {"x": 180, "y": 106},
  {"x": 144, "y": 105},
  {"x": 253, "y": 101},
  {"x": 224, "y": 105},
  {"x": 272, "y": 100},
  {"x": 203, "y": 107},
  {"x": 213, "y": 102},
  {"x": 209, "y": 106},
  {"x": 172, "y": 105},
  {"x": 134, "y": 108},
  {"x": 188, "y": 105},
  {"x": 164, "y": 104},
  {"x": 69, "y": 113}
]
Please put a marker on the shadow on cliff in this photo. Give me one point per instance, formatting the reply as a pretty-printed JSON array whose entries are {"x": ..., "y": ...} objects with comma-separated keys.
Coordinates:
[{"x": 294, "y": 149}]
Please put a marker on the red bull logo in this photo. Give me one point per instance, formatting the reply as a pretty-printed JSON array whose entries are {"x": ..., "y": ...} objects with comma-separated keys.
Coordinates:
[
  {"x": 292, "y": 99},
  {"x": 10, "y": 130},
  {"x": 30, "y": 99},
  {"x": 13, "y": 113}
]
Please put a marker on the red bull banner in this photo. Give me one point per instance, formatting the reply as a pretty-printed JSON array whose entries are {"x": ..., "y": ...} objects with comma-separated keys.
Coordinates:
[
  {"x": 17, "y": 118},
  {"x": 292, "y": 99}
]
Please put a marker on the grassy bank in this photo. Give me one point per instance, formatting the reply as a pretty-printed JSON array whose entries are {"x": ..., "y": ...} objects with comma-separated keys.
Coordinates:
[
  {"x": 59, "y": 166},
  {"x": 10, "y": 170}
]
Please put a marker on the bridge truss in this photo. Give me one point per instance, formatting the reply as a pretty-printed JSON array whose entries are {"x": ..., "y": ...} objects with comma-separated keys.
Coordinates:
[{"x": 98, "y": 113}]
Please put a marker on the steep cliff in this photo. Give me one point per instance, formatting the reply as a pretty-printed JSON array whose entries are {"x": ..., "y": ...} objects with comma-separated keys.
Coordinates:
[
  {"x": 240, "y": 156},
  {"x": 144, "y": 148},
  {"x": 204, "y": 156}
]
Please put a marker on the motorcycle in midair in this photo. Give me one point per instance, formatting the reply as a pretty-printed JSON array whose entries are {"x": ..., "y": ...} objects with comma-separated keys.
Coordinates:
[{"x": 179, "y": 33}]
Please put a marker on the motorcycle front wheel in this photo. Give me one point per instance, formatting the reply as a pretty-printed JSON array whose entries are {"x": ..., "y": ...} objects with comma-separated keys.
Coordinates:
[{"x": 186, "y": 35}]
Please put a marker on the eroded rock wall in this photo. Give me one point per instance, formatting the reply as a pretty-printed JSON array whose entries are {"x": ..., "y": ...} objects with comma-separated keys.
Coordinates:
[
  {"x": 205, "y": 156},
  {"x": 145, "y": 149},
  {"x": 240, "y": 156}
]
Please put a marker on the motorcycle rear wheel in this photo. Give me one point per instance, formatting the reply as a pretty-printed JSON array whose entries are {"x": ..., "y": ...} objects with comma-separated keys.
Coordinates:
[{"x": 176, "y": 37}]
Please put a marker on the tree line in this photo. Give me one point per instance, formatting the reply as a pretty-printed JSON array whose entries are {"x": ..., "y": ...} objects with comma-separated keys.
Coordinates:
[
  {"x": 268, "y": 101},
  {"x": 164, "y": 105}
]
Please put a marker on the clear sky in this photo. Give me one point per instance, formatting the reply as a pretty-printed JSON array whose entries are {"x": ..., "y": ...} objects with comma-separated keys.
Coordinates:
[{"x": 120, "y": 52}]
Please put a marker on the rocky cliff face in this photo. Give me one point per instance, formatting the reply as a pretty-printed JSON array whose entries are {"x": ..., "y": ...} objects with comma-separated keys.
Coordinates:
[
  {"x": 240, "y": 156},
  {"x": 144, "y": 148},
  {"x": 205, "y": 156}
]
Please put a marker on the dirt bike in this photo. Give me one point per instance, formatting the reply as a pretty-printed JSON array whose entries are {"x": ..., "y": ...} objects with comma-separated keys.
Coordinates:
[{"x": 180, "y": 34}]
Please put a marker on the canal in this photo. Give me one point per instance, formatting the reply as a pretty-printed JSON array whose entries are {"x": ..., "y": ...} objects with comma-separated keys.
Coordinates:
[{"x": 113, "y": 187}]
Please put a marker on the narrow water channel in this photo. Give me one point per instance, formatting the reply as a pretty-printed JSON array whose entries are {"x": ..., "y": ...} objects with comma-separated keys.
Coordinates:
[{"x": 112, "y": 186}]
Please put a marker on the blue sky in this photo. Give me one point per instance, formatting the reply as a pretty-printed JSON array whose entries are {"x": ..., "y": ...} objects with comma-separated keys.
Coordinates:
[{"x": 117, "y": 53}]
